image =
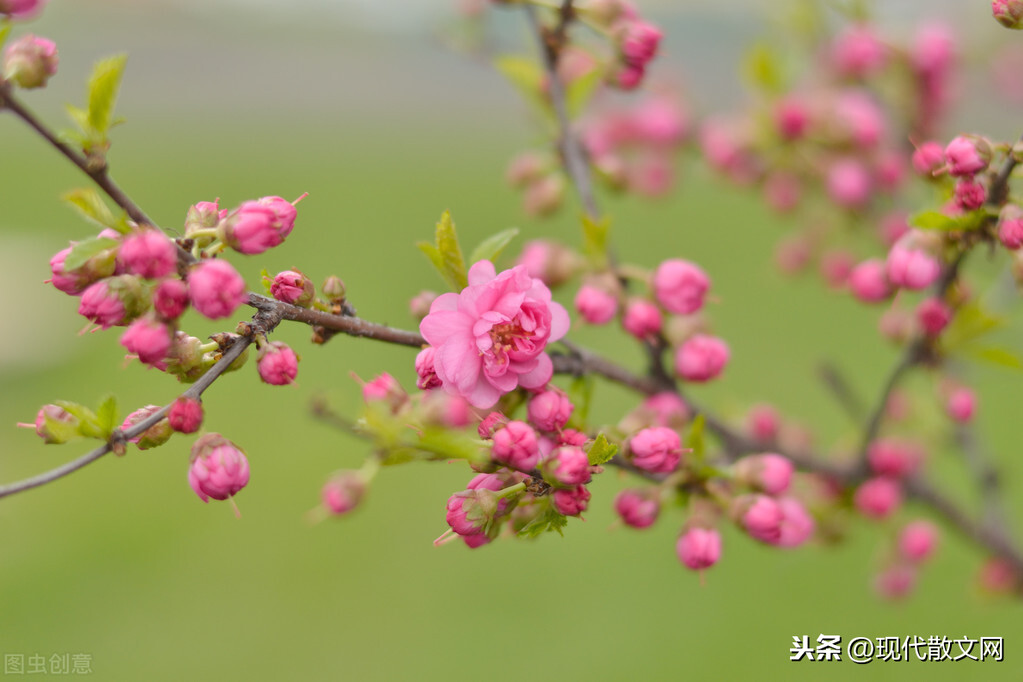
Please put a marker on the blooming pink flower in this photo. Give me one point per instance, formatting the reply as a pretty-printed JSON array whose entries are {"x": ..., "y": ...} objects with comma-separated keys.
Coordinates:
[
  {"x": 680, "y": 286},
  {"x": 516, "y": 446},
  {"x": 878, "y": 497},
  {"x": 343, "y": 492},
  {"x": 567, "y": 466},
  {"x": 216, "y": 289},
  {"x": 278, "y": 364},
  {"x": 701, "y": 358},
  {"x": 571, "y": 501},
  {"x": 918, "y": 540},
  {"x": 928, "y": 158},
  {"x": 699, "y": 548},
  {"x": 219, "y": 468},
  {"x": 596, "y": 305},
  {"x": 170, "y": 298},
  {"x": 148, "y": 253},
  {"x": 768, "y": 472},
  {"x": 868, "y": 281},
  {"x": 961, "y": 404},
  {"x": 933, "y": 314},
  {"x": 29, "y": 61},
  {"x": 657, "y": 449},
  {"x": 642, "y": 318},
  {"x": 550, "y": 410},
  {"x": 638, "y": 508},
  {"x": 292, "y": 287},
  {"x": 911, "y": 268},
  {"x": 185, "y": 415},
  {"x": 148, "y": 339},
  {"x": 490, "y": 338}
]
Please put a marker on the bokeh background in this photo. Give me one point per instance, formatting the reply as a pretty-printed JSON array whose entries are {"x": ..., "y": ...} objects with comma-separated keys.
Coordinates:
[{"x": 365, "y": 106}]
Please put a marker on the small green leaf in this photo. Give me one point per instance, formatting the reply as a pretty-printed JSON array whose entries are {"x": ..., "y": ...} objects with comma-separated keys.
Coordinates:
[
  {"x": 90, "y": 205},
  {"x": 524, "y": 74},
  {"x": 103, "y": 87},
  {"x": 107, "y": 416},
  {"x": 5, "y": 30},
  {"x": 84, "y": 250},
  {"x": 549, "y": 520},
  {"x": 491, "y": 247},
  {"x": 996, "y": 356},
  {"x": 60, "y": 431},
  {"x": 267, "y": 281},
  {"x": 970, "y": 323},
  {"x": 446, "y": 254},
  {"x": 601, "y": 451},
  {"x": 761, "y": 67},
  {"x": 89, "y": 423},
  {"x": 579, "y": 91},
  {"x": 447, "y": 444},
  {"x": 595, "y": 240},
  {"x": 79, "y": 116},
  {"x": 694, "y": 439},
  {"x": 935, "y": 220}
]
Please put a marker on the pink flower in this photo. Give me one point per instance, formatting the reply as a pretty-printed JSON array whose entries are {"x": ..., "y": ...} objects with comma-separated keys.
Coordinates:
[
  {"x": 154, "y": 436},
  {"x": 878, "y": 497},
  {"x": 596, "y": 305},
  {"x": 102, "y": 304},
  {"x": 567, "y": 466},
  {"x": 928, "y": 158},
  {"x": 933, "y": 314},
  {"x": 292, "y": 287},
  {"x": 278, "y": 364},
  {"x": 1010, "y": 230},
  {"x": 170, "y": 298},
  {"x": 657, "y": 449},
  {"x": 699, "y": 548},
  {"x": 424, "y": 369},
  {"x": 896, "y": 582},
  {"x": 762, "y": 517},
  {"x": 911, "y": 268},
  {"x": 849, "y": 183},
  {"x": 680, "y": 286},
  {"x": 860, "y": 118},
  {"x": 571, "y": 501},
  {"x": 868, "y": 281},
  {"x": 20, "y": 9},
  {"x": 471, "y": 512},
  {"x": 343, "y": 492},
  {"x": 895, "y": 458},
  {"x": 550, "y": 410},
  {"x": 219, "y": 468},
  {"x": 967, "y": 156},
  {"x": 701, "y": 358},
  {"x": 216, "y": 289},
  {"x": 516, "y": 446},
  {"x": 768, "y": 472},
  {"x": 1008, "y": 13},
  {"x": 29, "y": 61},
  {"x": 918, "y": 540},
  {"x": 660, "y": 121},
  {"x": 791, "y": 118},
  {"x": 148, "y": 254},
  {"x": 638, "y": 42},
  {"x": 185, "y": 415},
  {"x": 961, "y": 404},
  {"x": 797, "y": 525},
  {"x": 628, "y": 76},
  {"x": 638, "y": 508},
  {"x": 835, "y": 267},
  {"x": 490, "y": 338},
  {"x": 857, "y": 52},
  {"x": 763, "y": 423},
  {"x": 148, "y": 339},
  {"x": 969, "y": 195},
  {"x": 642, "y": 318},
  {"x": 256, "y": 226},
  {"x": 490, "y": 425},
  {"x": 74, "y": 282},
  {"x": 52, "y": 413}
]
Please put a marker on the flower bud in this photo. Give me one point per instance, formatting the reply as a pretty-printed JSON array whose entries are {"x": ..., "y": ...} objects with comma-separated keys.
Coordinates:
[
  {"x": 334, "y": 289},
  {"x": 701, "y": 358},
  {"x": 857, "y": 52},
  {"x": 277, "y": 364},
  {"x": 29, "y": 61},
  {"x": 626, "y": 76},
  {"x": 918, "y": 540},
  {"x": 638, "y": 507},
  {"x": 516, "y": 446},
  {"x": 768, "y": 472},
  {"x": 385, "y": 388},
  {"x": 549, "y": 410},
  {"x": 760, "y": 516},
  {"x": 425, "y": 369},
  {"x": 571, "y": 501},
  {"x": 544, "y": 196},
  {"x": 868, "y": 281},
  {"x": 149, "y": 340},
  {"x": 791, "y": 119},
  {"x": 566, "y": 467},
  {"x": 878, "y": 497},
  {"x": 967, "y": 155},
  {"x": 490, "y": 424},
  {"x": 343, "y": 492},
  {"x": 113, "y": 301},
  {"x": 219, "y": 468},
  {"x": 894, "y": 457},
  {"x": 203, "y": 215},
  {"x": 797, "y": 525},
  {"x": 74, "y": 282},
  {"x": 185, "y": 359},
  {"x": 933, "y": 314},
  {"x": 185, "y": 415},
  {"x": 526, "y": 168},
  {"x": 170, "y": 298},
  {"x": 680, "y": 286},
  {"x": 420, "y": 304},
  {"x": 911, "y": 268},
  {"x": 763, "y": 423},
  {"x": 642, "y": 319},
  {"x": 548, "y": 261},
  {"x": 252, "y": 228},
  {"x": 52, "y": 413},
  {"x": 148, "y": 253},
  {"x": 896, "y": 582},
  {"x": 1010, "y": 227},
  {"x": 216, "y": 289},
  {"x": 638, "y": 41},
  {"x": 969, "y": 195},
  {"x": 1008, "y": 13},
  {"x": 699, "y": 548},
  {"x": 928, "y": 159},
  {"x": 595, "y": 304},
  {"x": 293, "y": 287},
  {"x": 849, "y": 183},
  {"x": 471, "y": 512},
  {"x": 657, "y": 449},
  {"x": 961, "y": 404},
  {"x": 155, "y": 436}
]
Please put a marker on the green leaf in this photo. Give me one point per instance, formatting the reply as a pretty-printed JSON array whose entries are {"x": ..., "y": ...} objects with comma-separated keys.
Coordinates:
[
  {"x": 90, "y": 205},
  {"x": 80, "y": 117},
  {"x": 103, "y": 87},
  {"x": 491, "y": 247},
  {"x": 107, "y": 416},
  {"x": 267, "y": 281},
  {"x": 996, "y": 356},
  {"x": 935, "y": 220},
  {"x": 60, "y": 431},
  {"x": 595, "y": 240},
  {"x": 446, "y": 254},
  {"x": 761, "y": 67},
  {"x": 89, "y": 423},
  {"x": 525, "y": 74},
  {"x": 694, "y": 439},
  {"x": 549, "y": 520},
  {"x": 970, "y": 323},
  {"x": 84, "y": 250},
  {"x": 5, "y": 30},
  {"x": 601, "y": 451},
  {"x": 443, "y": 443},
  {"x": 579, "y": 91}
]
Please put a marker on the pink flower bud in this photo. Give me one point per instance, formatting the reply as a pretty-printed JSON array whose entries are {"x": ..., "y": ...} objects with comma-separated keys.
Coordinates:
[
  {"x": 895, "y": 458},
  {"x": 793, "y": 254},
  {"x": 660, "y": 121},
  {"x": 29, "y": 61},
  {"x": 763, "y": 423},
  {"x": 782, "y": 191},
  {"x": 849, "y": 183},
  {"x": 680, "y": 286},
  {"x": 933, "y": 314},
  {"x": 918, "y": 540},
  {"x": 638, "y": 507},
  {"x": 490, "y": 424},
  {"x": 526, "y": 168},
  {"x": 149, "y": 254},
  {"x": 857, "y": 52},
  {"x": 627, "y": 76},
  {"x": 185, "y": 415},
  {"x": 20, "y": 9},
  {"x": 895, "y": 324},
  {"x": 566, "y": 466},
  {"x": 911, "y": 268},
  {"x": 334, "y": 289},
  {"x": 516, "y": 446},
  {"x": 148, "y": 339},
  {"x": 1010, "y": 228},
  {"x": 878, "y": 497},
  {"x": 254, "y": 227},
  {"x": 550, "y": 410},
  {"x": 571, "y": 501},
  {"x": 424, "y": 368},
  {"x": 967, "y": 155},
  {"x": 170, "y": 298},
  {"x": 293, "y": 287},
  {"x": 52, "y": 413},
  {"x": 642, "y": 319},
  {"x": 768, "y": 472},
  {"x": 701, "y": 358},
  {"x": 868, "y": 281},
  {"x": 596, "y": 305},
  {"x": 216, "y": 289},
  {"x": 219, "y": 468},
  {"x": 889, "y": 171},
  {"x": 860, "y": 119},
  {"x": 961, "y": 404},
  {"x": 928, "y": 158},
  {"x": 699, "y": 548},
  {"x": 544, "y": 196},
  {"x": 156, "y": 435},
  {"x": 657, "y": 449},
  {"x": 896, "y": 582},
  {"x": 791, "y": 119},
  {"x": 203, "y": 215},
  {"x": 471, "y": 512},
  {"x": 74, "y": 282},
  {"x": 343, "y": 492},
  {"x": 667, "y": 409},
  {"x": 797, "y": 525},
  {"x": 277, "y": 364},
  {"x": 420, "y": 304},
  {"x": 384, "y": 388},
  {"x": 102, "y": 304},
  {"x": 638, "y": 42},
  {"x": 969, "y": 195},
  {"x": 932, "y": 51},
  {"x": 185, "y": 359},
  {"x": 835, "y": 268},
  {"x": 1008, "y": 13},
  {"x": 761, "y": 516}
]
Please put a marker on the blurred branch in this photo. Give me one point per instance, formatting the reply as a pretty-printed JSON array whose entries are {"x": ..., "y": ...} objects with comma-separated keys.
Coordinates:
[{"x": 844, "y": 393}]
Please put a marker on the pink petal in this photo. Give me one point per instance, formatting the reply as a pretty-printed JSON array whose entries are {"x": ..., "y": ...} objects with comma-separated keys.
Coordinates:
[
  {"x": 540, "y": 374},
  {"x": 559, "y": 322},
  {"x": 481, "y": 272},
  {"x": 439, "y": 327}
]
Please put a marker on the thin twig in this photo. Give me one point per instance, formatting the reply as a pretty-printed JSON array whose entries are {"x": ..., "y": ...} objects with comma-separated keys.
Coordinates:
[
  {"x": 839, "y": 386},
  {"x": 346, "y": 324}
]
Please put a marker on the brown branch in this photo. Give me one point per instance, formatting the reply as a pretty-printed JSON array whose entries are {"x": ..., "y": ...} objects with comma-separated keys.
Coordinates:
[{"x": 346, "y": 324}]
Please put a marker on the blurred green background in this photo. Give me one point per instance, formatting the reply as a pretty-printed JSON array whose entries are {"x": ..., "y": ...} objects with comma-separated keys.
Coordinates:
[{"x": 385, "y": 128}]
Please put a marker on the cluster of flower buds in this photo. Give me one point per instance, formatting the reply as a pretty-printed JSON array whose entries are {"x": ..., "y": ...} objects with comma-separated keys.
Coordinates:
[
  {"x": 636, "y": 40},
  {"x": 914, "y": 545}
]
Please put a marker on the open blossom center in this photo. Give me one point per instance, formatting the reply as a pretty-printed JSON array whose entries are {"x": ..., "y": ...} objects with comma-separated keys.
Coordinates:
[{"x": 505, "y": 338}]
